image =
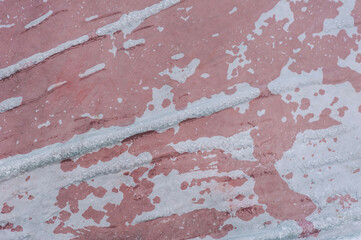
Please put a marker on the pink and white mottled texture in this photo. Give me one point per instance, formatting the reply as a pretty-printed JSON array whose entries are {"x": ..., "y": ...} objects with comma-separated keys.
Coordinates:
[{"x": 182, "y": 120}]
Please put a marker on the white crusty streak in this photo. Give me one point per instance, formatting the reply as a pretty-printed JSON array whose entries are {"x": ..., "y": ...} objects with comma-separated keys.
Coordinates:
[
  {"x": 96, "y": 139},
  {"x": 91, "y": 18},
  {"x": 40, "y": 57},
  {"x": 38, "y": 20},
  {"x": 92, "y": 70},
  {"x": 51, "y": 87},
  {"x": 128, "y": 22},
  {"x": 7, "y": 25},
  {"x": 10, "y": 103},
  {"x": 132, "y": 43}
]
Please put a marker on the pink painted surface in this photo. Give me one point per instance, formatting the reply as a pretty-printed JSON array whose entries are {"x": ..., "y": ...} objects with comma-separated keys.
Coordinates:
[{"x": 180, "y": 119}]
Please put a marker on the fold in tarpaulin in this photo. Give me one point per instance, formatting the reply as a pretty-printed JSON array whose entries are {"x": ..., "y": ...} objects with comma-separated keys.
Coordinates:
[{"x": 180, "y": 119}]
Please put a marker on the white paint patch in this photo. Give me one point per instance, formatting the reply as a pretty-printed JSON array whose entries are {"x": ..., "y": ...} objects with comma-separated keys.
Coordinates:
[
  {"x": 113, "y": 50},
  {"x": 39, "y": 57},
  {"x": 350, "y": 60},
  {"x": 296, "y": 50},
  {"x": 205, "y": 75},
  {"x": 320, "y": 102},
  {"x": 46, "y": 124},
  {"x": 310, "y": 83},
  {"x": 261, "y": 112},
  {"x": 55, "y": 85},
  {"x": 322, "y": 165},
  {"x": 234, "y": 9},
  {"x": 288, "y": 80},
  {"x": 239, "y": 61},
  {"x": 281, "y": 11},
  {"x": 7, "y": 26},
  {"x": 250, "y": 37},
  {"x": 92, "y": 70},
  {"x": 128, "y": 22},
  {"x": 160, "y": 29},
  {"x": 343, "y": 21},
  {"x": 38, "y": 20},
  {"x": 99, "y": 116},
  {"x": 181, "y": 74},
  {"x": 49, "y": 180},
  {"x": 132, "y": 43},
  {"x": 170, "y": 196},
  {"x": 177, "y": 56},
  {"x": 158, "y": 96},
  {"x": 185, "y": 18},
  {"x": 250, "y": 70},
  {"x": 120, "y": 100},
  {"x": 91, "y": 18},
  {"x": 10, "y": 103},
  {"x": 302, "y": 37},
  {"x": 215, "y": 35}
]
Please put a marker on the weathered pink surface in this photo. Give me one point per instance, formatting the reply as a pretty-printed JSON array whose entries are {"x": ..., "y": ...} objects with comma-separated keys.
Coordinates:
[{"x": 187, "y": 120}]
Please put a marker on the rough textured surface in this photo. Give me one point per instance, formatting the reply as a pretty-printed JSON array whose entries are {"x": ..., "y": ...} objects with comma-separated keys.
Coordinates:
[{"x": 180, "y": 119}]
